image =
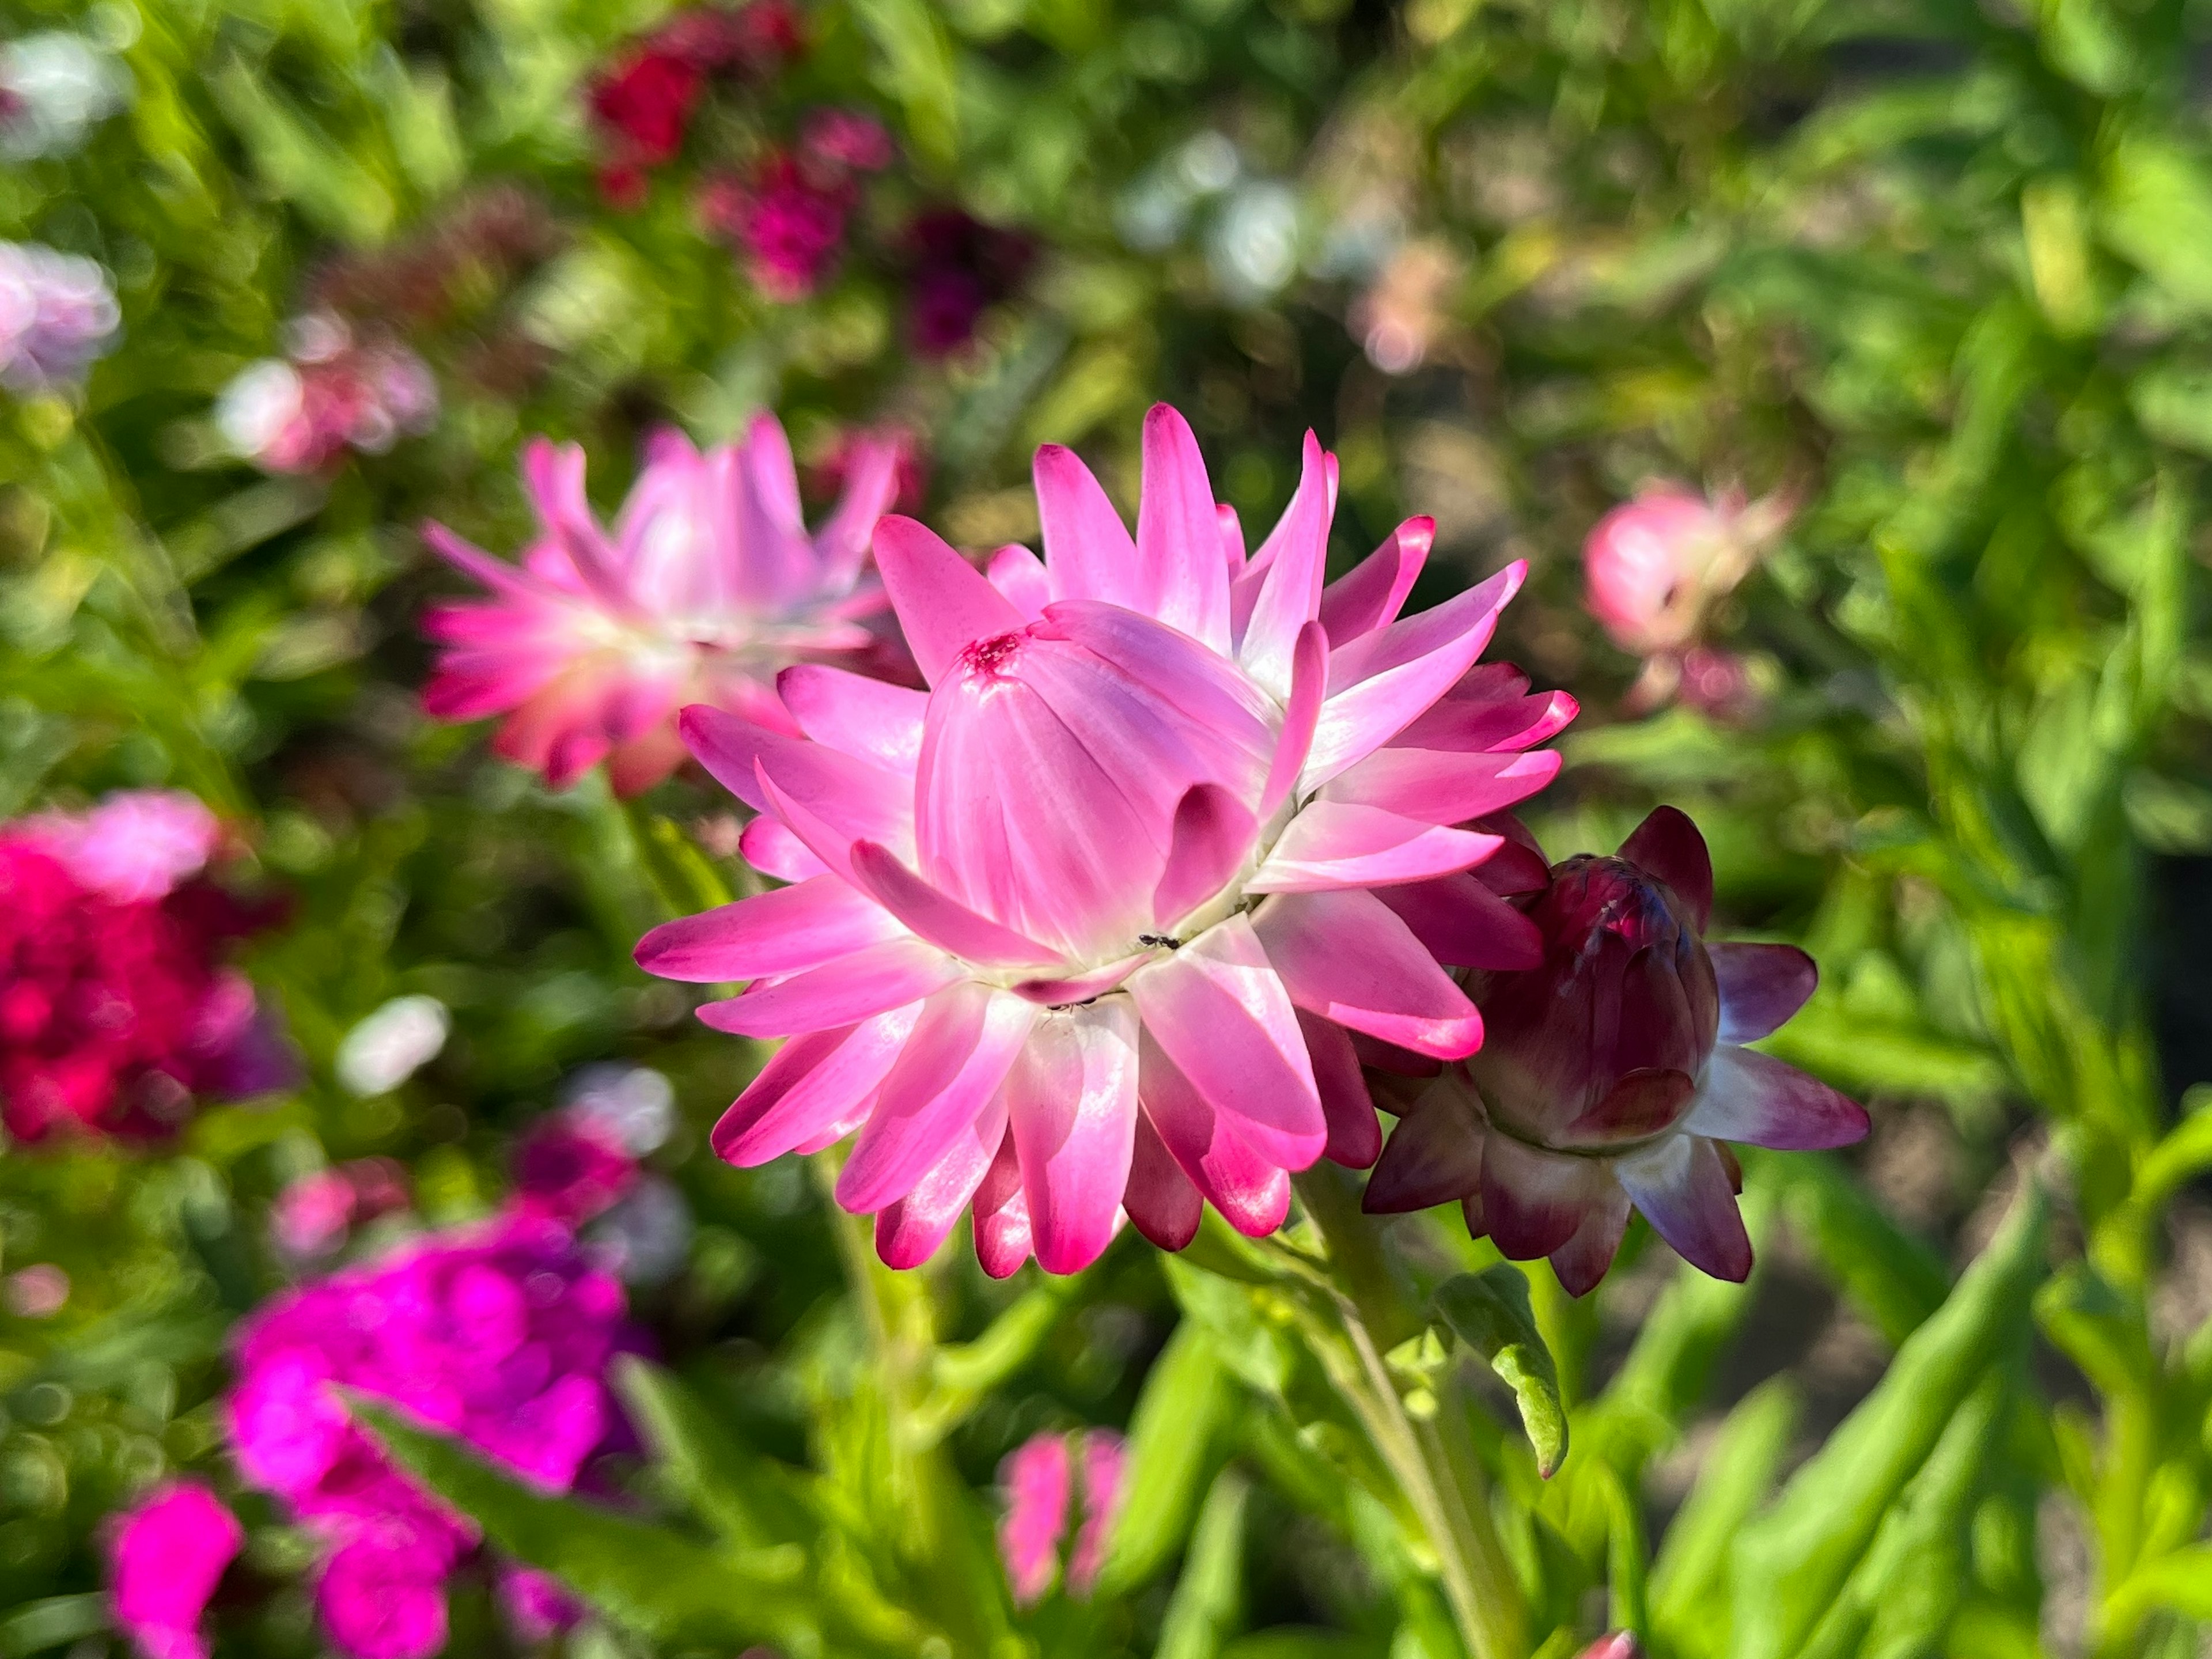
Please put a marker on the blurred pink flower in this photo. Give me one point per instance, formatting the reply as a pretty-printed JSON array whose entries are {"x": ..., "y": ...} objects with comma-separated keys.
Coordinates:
[
  {"x": 116, "y": 1013},
  {"x": 1613, "y": 1073},
  {"x": 136, "y": 846},
  {"x": 1039, "y": 1479},
  {"x": 330, "y": 393},
  {"x": 789, "y": 221},
  {"x": 847, "y": 138},
  {"x": 312, "y": 1216},
  {"x": 534, "y": 1604},
  {"x": 571, "y": 1166},
  {"x": 1655, "y": 566},
  {"x": 164, "y": 1562},
  {"x": 500, "y": 1335},
  {"x": 58, "y": 313},
  {"x": 709, "y": 584},
  {"x": 1089, "y": 924},
  {"x": 38, "y": 1291},
  {"x": 1619, "y": 1645}
]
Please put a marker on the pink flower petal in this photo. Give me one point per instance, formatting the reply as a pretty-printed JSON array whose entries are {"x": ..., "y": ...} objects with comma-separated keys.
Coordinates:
[
  {"x": 1072, "y": 1106},
  {"x": 810, "y": 1084},
  {"x": 1297, "y": 551},
  {"x": 1355, "y": 1134},
  {"x": 1684, "y": 1191},
  {"x": 1754, "y": 1098},
  {"x": 1471, "y": 727},
  {"x": 1463, "y": 924},
  {"x": 1301, "y": 715},
  {"x": 943, "y": 603},
  {"x": 784, "y": 931},
  {"x": 967, "y": 1038},
  {"x": 1761, "y": 986},
  {"x": 1212, "y": 839},
  {"x": 945, "y": 922},
  {"x": 773, "y": 850},
  {"x": 1330, "y": 845},
  {"x": 1021, "y": 576},
  {"x": 1160, "y": 1201},
  {"x": 1218, "y": 1011},
  {"x": 870, "y": 981},
  {"x": 1087, "y": 551},
  {"x": 1054, "y": 991},
  {"x": 1346, "y": 957},
  {"x": 1252, "y": 1192},
  {"x": 855, "y": 715},
  {"x": 1002, "y": 1216},
  {"x": 1371, "y": 593},
  {"x": 909, "y": 1231},
  {"x": 1668, "y": 845},
  {"x": 1179, "y": 578},
  {"x": 1439, "y": 786}
]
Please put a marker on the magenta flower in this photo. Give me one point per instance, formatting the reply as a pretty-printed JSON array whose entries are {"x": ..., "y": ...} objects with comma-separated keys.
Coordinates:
[
  {"x": 847, "y": 138},
  {"x": 571, "y": 1166},
  {"x": 1613, "y": 1072},
  {"x": 1088, "y": 924},
  {"x": 788, "y": 219},
  {"x": 534, "y": 1605},
  {"x": 164, "y": 1562},
  {"x": 136, "y": 846},
  {"x": 500, "y": 1335},
  {"x": 331, "y": 393},
  {"x": 709, "y": 583},
  {"x": 1039, "y": 1478}
]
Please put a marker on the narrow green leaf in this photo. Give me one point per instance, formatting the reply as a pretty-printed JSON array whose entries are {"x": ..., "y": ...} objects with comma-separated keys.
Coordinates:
[
  {"x": 1172, "y": 1449},
  {"x": 2181, "y": 1580},
  {"x": 1791, "y": 1562},
  {"x": 37, "y": 1626},
  {"x": 726, "y": 1486},
  {"x": 1208, "y": 1597},
  {"x": 1896, "y": 1280},
  {"x": 1489, "y": 1311},
  {"x": 962, "y": 1374},
  {"x": 652, "y": 1579},
  {"x": 915, "y": 66},
  {"x": 1689, "y": 1580}
]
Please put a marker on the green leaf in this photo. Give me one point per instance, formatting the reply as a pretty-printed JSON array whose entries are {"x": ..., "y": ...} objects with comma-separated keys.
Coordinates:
[
  {"x": 650, "y": 1579},
  {"x": 2181, "y": 1580},
  {"x": 726, "y": 1486},
  {"x": 1172, "y": 1449},
  {"x": 37, "y": 1626},
  {"x": 1489, "y": 1311},
  {"x": 916, "y": 68},
  {"x": 961, "y": 1375},
  {"x": 1896, "y": 1280},
  {"x": 2157, "y": 211},
  {"x": 1791, "y": 1562},
  {"x": 1690, "y": 1577},
  {"x": 1208, "y": 1597}
]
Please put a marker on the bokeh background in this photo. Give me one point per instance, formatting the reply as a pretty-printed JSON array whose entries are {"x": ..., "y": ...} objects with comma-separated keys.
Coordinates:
[{"x": 1926, "y": 283}]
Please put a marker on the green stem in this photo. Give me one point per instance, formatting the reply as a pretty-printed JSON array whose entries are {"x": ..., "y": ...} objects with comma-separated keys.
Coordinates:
[{"x": 1435, "y": 1460}]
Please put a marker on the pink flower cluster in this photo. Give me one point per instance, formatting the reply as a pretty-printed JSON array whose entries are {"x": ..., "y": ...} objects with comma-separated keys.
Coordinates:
[
  {"x": 115, "y": 1010},
  {"x": 645, "y": 99},
  {"x": 708, "y": 584},
  {"x": 331, "y": 392},
  {"x": 1040, "y": 1479},
  {"x": 501, "y": 1336},
  {"x": 788, "y": 214},
  {"x": 58, "y": 313}
]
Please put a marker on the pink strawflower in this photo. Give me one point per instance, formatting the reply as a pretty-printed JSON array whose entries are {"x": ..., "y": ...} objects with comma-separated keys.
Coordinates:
[
  {"x": 117, "y": 1012},
  {"x": 572, "y": 1166},
  {"x": 847, "y": 138},
  {"x": 789, "y": 221},
  {"x": 1613, "y": 1072},
  {"x": 1039, "y": 1479},
  {"x": 1088, "y": 924},
  {"x": 500, "y": 1336},
  {"x": 708, "y": 584},
  {"x": 164, "y": 1562},
  {"x": 137, "y": 845}
]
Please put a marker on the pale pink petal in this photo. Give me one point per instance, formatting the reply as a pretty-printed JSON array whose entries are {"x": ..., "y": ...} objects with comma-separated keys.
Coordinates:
[
  {"x": 1330, "y": 845},
  {"x": 1180, "y": 577},
  {"x": 855, "y": 715},
  {"x": 1159, "y": 1200},
  {"x": 1252, "y": 1191},
  {"x": 1346, "y": 957},
  {"x": 1582, "y": 1260},
  {"x": 1761, "y": 986},
  {"x": 1380, "y": 682},
  {"x": 1301, "y": 715},
  {"x": 1756, "y": 1099},
  {"x": 1088, "y": 550},
  {"x": 810, "y": 1084},
  {"x": 773, "y": 850},
  {"x": 1668, "y": 845},
  {"x": 1021, "y": 576},
  {"x": 554, "y": 476},
  {"x": 1439, "y": 787},
  {"x": 1219, "y": 1011},
  {"x": 829, "y": 800},
  {"x": 1105, "y": 1460},
  {"x": 909, "y": 1232},
  {"x": 510, "y": 581},
  {"x": 869, "y": 981},
  {"x": 1213, "y": 837},
  {"x": 943, "y": 603},
  {"x": 945, "y": 922},
  {"x": 1355, "y": 1134},
  {"x": 966, "y": 1039},
  {"x": 872, "y": 484},
  {"x": 1433, "y": 1157},
  {"x": 1296, "y": 553},
  {"x": 1684, "y": 1191},
  {"x": 784, "y": 931},
  {"x": 1533, "y": 1201},
  {"x": 1371, "y": 593},
  {"x": 1232, "y": 544},
  {"x": 1072, "y": 1106},
  {"x": 1464, "y": 924},
  {"x": 1002, "y": 1216}
]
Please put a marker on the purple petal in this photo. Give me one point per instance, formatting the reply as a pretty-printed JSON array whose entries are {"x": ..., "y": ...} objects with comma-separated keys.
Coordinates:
[
  {"x": 1684, "y": 1191},
  {"x": 1533, "y": 1201},
  {"x": 1433, "y": 1157},
  {"x": 1668, "y": 845},
  {"x": 1754, "y": 1098},
  {"x": 1761, "y": 986}
]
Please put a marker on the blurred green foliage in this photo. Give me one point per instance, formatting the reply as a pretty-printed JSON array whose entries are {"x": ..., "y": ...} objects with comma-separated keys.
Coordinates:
[{"x": 1942, "y": 271}]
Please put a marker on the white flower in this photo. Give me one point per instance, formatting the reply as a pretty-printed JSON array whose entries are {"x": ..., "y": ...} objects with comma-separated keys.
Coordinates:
[
  {"x": 636, "y": 1102},
  {"x": 61, "y": 86},
  {"x": 392, "y": 1044}
]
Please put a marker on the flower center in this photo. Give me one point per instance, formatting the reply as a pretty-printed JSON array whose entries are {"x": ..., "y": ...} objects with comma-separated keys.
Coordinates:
[{"x": 988, "y": 660}]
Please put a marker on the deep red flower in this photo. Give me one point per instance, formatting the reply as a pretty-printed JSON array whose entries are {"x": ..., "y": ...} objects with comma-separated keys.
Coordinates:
[{"x": 647, "y": 98}]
